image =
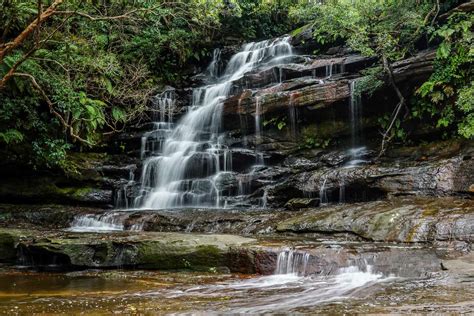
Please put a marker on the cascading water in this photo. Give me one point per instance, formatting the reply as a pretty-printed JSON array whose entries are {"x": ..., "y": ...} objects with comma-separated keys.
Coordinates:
[
  {"x": 293, "y": 116},
  {"x": 323, "y": 198},
  {"x": 184, "y": 162},
  {"x": 122, "y": 194},
  {"x": 357, "y": 150},
  {"x": 258, "y": 132},
  {"x": 291, "y": 287},
  {"x": 355, "y": 104},
  {"x": 181, "y": 171},
  {"x": 99, "y": 222},
  {"x": 214, "y": 67},
  {"x": 292, "y": 262}
]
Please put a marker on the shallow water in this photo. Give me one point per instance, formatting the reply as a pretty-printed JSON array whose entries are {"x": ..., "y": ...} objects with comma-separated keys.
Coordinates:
[{"x": 145, "y": 292}]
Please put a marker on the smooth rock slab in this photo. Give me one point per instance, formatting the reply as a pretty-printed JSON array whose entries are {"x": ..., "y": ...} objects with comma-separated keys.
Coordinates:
[
  {"x": 151, "y": 250},
  {"x": 394, "y": 220}
]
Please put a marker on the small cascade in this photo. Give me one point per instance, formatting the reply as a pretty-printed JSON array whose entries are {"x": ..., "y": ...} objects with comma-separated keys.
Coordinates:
[
  {"x": 111, "y": 221},
  {"x": 355, "y": 108},
  {"x": 292, "y": 262},
  {"x": 214, "y": 68},
  {"x": 163, "y": 106},
  {"x": 293, "y": 115},
  {"x": 323, "y": 197},
  {"x": 355, "y": 104},
  {"x": 264, "y": 199},
  {"x": 122, "y": 195},
  {"x": 105, "y": 222},
  {"x": 329, "y": 70},
  {"x": 342, "y": 191},
  {"x": 280, "y": 75},
  {"x": 258, "y": 132},
  {"x": 137, "y": 227}
]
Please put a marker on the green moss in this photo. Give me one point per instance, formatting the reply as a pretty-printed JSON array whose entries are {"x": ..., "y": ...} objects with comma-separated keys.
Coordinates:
[
  {"x": 429, "y": 212},
  {"x": 7, "y": 248},
  {"x": 300, "y": 221},
  {"x": 300, "y": 30},
  {"x": 75, "y": 192},
  {"x": 157, "y": 255}
]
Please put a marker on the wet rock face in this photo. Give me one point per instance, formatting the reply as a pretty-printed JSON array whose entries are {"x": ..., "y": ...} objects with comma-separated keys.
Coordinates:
[
  {"x": 307, "y": 84},
  {"x": 395, "y": 220},
  {"x": 401, "y": 219},
  {"x": 94, "y": 183},
  {"x": 435, "y": 178}
]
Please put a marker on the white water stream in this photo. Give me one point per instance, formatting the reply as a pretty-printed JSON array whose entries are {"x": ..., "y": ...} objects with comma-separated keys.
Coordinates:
[{"x": 288, "y": 288}]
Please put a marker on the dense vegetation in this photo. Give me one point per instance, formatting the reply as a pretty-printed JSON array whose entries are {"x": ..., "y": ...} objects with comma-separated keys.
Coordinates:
[
  {"x": 73, "y": 72},
  {"x": 90, "y": 67},
  {"x": 393, "y": 30}
]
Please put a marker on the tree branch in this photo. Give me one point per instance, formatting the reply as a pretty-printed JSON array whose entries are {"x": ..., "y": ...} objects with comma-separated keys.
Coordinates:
[
  {"x": 51, "y": 108},
  {"x": 10, "y": 46},
  {"x": 126, "y": 15},
  {"x": 386, "y": 138}
]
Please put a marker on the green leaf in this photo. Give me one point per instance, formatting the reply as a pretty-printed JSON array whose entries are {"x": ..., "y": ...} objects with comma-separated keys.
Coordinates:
[
  {"x": 11, "y": 136},
  {"x": 444, "y": 50},
  {"x": 118, "y": 114}
]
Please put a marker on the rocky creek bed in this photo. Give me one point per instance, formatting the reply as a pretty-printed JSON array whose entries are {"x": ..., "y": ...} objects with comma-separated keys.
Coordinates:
[
  {"x": 148, "y": 292},
  {"x": 403, "y": 254},
  {"x": 398, "y": 255}
]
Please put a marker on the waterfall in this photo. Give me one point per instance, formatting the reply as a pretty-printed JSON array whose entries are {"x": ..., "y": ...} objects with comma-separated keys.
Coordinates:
[
  {"x": 122, "y": 194},
  {"x": 181, "y": 169},
  {"x": 163, "y": 106},
  {"x": 214, "y": 67},
  {"x": 342, "y": 190},
  {"x": 111, "y": 221},
  {"x": 293, "y": 116},
  {"x": 258, "y": 132},
  {"x": 292, "y": 262},
  {"x": 355, "y": 104},
  {"x": 323, "y": 198},
  {"x": 329, "y": 70},
  {"x": 355, "y": 107}
]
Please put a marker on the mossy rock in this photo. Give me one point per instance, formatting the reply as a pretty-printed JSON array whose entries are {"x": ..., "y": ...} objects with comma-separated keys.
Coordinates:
[{"x": 7, "y": 248}]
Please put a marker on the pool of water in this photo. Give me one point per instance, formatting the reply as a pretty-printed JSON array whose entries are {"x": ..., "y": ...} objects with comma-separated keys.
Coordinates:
[{"x": 129, "y": 292}]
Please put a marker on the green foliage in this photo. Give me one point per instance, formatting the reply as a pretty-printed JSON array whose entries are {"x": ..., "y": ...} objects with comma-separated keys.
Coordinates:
[
  {"x": 278, "y": 122},
  {"x": 11, "y": 136},
  {"x": 371, "y": 81},
  {"x": 311, "y": 142},
  {"x": 97, "y": 74},
  {"x": 372, "y": 27},
  {"x": 447, "y": 96},
  {"x": 50, "y": 153},
  {"x": 397, "y": 132},
  {"x": 391, "y": 30},
  {"x": 256, "y": 19}
]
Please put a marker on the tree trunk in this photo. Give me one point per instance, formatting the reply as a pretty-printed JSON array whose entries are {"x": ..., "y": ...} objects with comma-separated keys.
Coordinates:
[{"x": 10, "y": 46}]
